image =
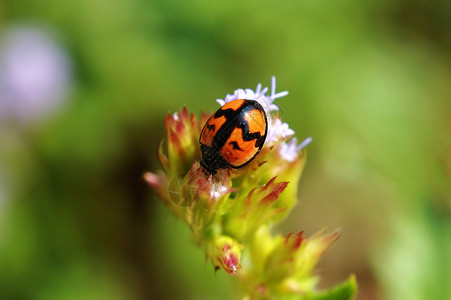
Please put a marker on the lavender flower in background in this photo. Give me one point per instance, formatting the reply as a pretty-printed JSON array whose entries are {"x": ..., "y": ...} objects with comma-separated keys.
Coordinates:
[{"x": 35, "y": 73}]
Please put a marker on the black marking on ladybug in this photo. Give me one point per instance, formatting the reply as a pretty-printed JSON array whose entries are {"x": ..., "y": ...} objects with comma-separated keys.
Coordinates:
[{"x": 235, "y": 145}]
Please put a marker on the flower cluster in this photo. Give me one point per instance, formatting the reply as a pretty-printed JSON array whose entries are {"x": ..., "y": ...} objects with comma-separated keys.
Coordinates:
[{"x": 231, "y": 213}]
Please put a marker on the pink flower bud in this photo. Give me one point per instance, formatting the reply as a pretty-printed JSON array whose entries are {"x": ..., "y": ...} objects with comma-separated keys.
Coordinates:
[{"x": 225, "y": 253}]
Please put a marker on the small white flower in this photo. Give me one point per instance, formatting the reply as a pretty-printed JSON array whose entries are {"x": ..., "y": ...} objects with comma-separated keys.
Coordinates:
[
  {"x": 289, "y": 151},
  {"x": 278, "y": 130},
  {"x": 259, "y": 95}
]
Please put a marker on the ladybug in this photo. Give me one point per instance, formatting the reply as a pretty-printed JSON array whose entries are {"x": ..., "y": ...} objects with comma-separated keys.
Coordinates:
[{"x": 233, "y": 136}]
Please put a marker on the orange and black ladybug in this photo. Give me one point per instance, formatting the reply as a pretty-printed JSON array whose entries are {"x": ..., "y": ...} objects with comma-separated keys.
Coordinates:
[{"x": 233, "y": 136}]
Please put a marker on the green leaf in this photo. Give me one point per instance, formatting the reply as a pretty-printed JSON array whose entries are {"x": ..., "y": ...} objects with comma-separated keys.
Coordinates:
[{"x": 344, "y": 291}]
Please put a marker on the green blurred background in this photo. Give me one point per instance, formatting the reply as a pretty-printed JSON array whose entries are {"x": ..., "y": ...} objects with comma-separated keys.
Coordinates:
[{"x": 368, "y": 80}]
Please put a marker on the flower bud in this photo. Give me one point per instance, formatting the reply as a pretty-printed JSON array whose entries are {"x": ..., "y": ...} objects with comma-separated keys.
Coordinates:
[
  {"x": 182, "y": 133},
  {"x": 281, "y": 262},
  {"x": 254, "y": 210},
  {"x": 314, "y": 249},
  {"x": 225, "y": 252}
]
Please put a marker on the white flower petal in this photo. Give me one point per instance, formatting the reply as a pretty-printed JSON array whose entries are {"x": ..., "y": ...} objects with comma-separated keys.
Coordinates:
[
  {"x": 258, "y": 89},
  {"x": 273, "y": 85},
  {"x": 304, "y": 143},
  {"x": 280, "y": 95},
  {"x": 289, "y": 151},
  {"x": 278, "y": 130}
]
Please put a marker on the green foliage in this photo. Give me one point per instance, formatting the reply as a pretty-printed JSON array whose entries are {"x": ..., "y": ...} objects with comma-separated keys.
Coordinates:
[{"x": 344, "y": 291}]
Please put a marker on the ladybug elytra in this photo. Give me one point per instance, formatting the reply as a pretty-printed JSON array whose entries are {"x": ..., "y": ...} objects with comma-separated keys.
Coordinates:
[{"x": 233, "y": 136}]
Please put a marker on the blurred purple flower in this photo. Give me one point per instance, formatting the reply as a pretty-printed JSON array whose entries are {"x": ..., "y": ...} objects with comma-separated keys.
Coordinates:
[{"x": 35, "y": 73}]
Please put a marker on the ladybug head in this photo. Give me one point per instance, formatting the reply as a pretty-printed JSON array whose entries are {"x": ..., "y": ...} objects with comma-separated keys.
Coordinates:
[{"x": 211, "y": 160}]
